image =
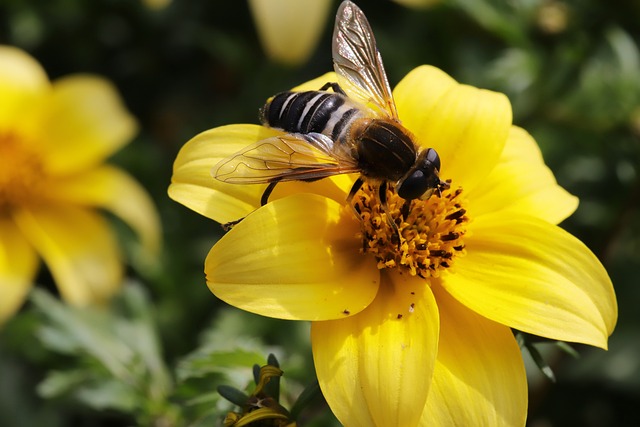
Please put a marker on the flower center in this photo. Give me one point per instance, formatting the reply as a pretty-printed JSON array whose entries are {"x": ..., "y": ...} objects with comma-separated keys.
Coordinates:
[
  {"x": 431, "y": 231},
  {"x": 20, "y": 173}
]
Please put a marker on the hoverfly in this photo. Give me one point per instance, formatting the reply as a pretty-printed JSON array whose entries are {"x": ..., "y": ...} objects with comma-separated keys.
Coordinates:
[{"x": 335, "y": 131}]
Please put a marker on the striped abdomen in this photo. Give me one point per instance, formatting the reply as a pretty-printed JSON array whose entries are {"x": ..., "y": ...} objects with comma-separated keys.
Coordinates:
[{"x": 314, "y": 111}]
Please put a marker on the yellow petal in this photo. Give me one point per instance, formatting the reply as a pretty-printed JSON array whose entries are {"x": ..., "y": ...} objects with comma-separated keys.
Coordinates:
[
  {"x": 192, "y": 183},
  {"x": 113, "y": 189},
  {"x": 317, "y": 83},
  {"x": 533, "y": 276},
  {"x": 467, "y": 126},
  {"x": 18, "y": 265},
  {"x": 522, "y": 183},
  {"x": 375, "y": 368},
  {"x": 23, "y": 84},
  {"x": 84, "y": 122},
  {"x": 156, "y": 5},
  {"x": 79, "y": 249},
  {"x": 295, "y": 258},
  {"x": 193, "y": 186},
  {"x": 479, "y": 377},
  {"x": 290, "y": 29}
]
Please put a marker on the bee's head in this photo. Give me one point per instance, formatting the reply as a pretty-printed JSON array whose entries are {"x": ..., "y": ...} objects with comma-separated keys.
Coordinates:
[{"x": 423, "y": 178}]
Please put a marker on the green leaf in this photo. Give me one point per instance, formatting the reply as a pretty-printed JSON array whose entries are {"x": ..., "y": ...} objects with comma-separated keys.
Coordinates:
[
  {"x": 311, "y": 393},
  {"x": 508, "y": 20},
  {"x": 110, "y": 394},
  {"x": 233, "y": 395},
  {"x": 540, "y": 362},
  {"x": 87, "y": 331},
  {"x": 608, "y": 88},
  {"x": 99, "y": 394},
  {"x": 59, "y": 383},
  {"x": 119, "y": 351},
  {"x": 202, "y": 363}
]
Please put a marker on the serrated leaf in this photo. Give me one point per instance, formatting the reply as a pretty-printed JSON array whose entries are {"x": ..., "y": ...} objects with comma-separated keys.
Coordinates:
[
  {"x": 89, "y": 330},
  {"x": 119, "y": 349},
  {"x": 140, "y": 333},
  {"x": 110, "y": 394},
  {"x": 59, "y": 383},
  {"x": 98, "y": 394}
]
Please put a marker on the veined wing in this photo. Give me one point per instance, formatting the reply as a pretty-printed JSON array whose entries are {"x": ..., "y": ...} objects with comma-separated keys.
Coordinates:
[
  {"x": 357, "y": 60},
  {"x": 289, "y": 157}
]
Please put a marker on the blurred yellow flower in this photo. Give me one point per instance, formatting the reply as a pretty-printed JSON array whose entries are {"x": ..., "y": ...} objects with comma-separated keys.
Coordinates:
[
  {"x": 54, "y": 138},
  {"x": 156, "y": 4},
  {"x": 418, "y": 334},
  {"x": 289, "y": 30},
  {"x": 418, "y": 4}
]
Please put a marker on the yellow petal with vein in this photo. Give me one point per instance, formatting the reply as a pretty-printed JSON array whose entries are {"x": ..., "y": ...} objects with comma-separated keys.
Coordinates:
[
  {"x": 18, "y": 266},
  {"x": 115, "y": 190},
  {"x": 84, "y": 122},
  {"x": 192, "y": 183},
  {"x": 533, "y": 276},
  {"x": 522, "y": 183},
  {"x": 467, "y": 126},
  {"x": 479, "y": 377},
  {"x": 295, "y": 258},
  {"x": 317, "y": 83},
  {"x": 193, "y": 186},
  {"x": 375, "y": 368},
  {"x": 79, "y": 249}
]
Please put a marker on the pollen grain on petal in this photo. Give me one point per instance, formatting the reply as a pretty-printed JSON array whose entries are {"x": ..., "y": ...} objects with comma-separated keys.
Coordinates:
[{"x": 431, "y": 231}]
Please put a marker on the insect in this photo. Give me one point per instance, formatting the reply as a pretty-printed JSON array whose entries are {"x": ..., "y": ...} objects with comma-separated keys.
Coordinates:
[{"x": 349, "y": 126}]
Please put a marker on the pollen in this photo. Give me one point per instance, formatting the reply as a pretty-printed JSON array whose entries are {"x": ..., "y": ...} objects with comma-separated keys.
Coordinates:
[
  {"x": 21, "y": 173},
  {"x": 430, "y": 231}
]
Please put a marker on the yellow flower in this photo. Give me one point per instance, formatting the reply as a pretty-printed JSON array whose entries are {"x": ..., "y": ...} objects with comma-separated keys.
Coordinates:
[
  {"x": 156, "y": 4},
  {"x": 416, "y": 335},
  {"x": 54, "y": 138},
  {"x": 418, "y": 4},
  {"x": 289, "y": 30}
]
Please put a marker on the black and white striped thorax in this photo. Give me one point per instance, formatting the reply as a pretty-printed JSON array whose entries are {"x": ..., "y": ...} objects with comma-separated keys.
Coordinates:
[{"x": 314, "y": 111}]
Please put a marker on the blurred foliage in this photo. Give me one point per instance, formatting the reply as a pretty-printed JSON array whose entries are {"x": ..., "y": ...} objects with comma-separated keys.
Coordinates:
[{"x": 570, "y": 68}]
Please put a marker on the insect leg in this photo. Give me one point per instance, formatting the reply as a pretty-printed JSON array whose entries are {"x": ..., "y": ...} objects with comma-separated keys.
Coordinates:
[
  {"x": 382, "y": 194},
  {"x": 229, "y": 225},
  {"x": 406, "y": 208},
  {"x": 263, "y": 201},
  {"x": 267, "y": 192},
  {"x": 354, "y": 189},
  {"x": 335, "y": 86}
]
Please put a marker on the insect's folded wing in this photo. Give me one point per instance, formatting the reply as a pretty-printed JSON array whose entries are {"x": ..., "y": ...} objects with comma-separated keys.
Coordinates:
[{"x": 288, "y": 157}]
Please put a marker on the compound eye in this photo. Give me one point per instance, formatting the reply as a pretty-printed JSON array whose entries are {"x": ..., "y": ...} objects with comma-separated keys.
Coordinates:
[
  {"x": 414, "y": 185},
  {"x": 433, "y": 158}
]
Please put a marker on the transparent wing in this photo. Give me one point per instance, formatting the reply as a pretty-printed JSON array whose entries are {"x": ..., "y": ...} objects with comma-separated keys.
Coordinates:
[
  {"x": 357, "y": 61},
  {"x": 289, "y": 157}
]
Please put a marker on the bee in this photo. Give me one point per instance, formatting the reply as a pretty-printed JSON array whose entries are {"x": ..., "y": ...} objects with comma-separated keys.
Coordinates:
[{"x": 345, "y": 127}]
